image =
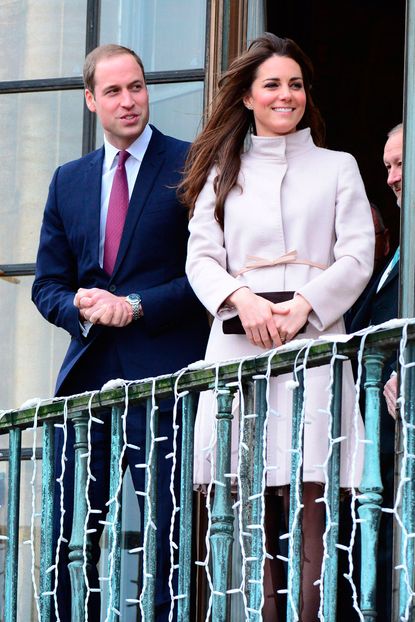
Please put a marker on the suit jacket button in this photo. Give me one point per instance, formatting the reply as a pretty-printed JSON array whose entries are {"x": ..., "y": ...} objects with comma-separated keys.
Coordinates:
[{"x": 112, "y": 288}]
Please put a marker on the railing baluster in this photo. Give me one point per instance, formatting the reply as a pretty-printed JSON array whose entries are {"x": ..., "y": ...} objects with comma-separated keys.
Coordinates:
[
  {"x": 333, "y": 493},
  {"x": 114, "y": 514},
  {"x": 294, "y": 578},
  {"x": 407, "y": 548},
  {"x": 186, "y": 507},
  {"x": 371, "y": 485},
  {"x": 13, "y": 506},
  {"x": 256, "y": 588},
  {"x": 221, "y": 534},
  {"x": 150, "y": 513},
  {"x": 46, "y": 528},
  {"x": 245, "y": 478},
  {"x": 76, "y": 544}
]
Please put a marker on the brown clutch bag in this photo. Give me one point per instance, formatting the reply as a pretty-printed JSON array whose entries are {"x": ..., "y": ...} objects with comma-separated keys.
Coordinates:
[{"x": 234, "y": 326}]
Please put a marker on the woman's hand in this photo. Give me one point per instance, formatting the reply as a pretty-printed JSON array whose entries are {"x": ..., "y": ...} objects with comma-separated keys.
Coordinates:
[
  {"x": 288, "y": 324},
  {"x": 258, "y": 317}
]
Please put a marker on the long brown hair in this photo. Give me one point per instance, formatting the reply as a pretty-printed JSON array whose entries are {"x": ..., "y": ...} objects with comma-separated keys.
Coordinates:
[{"x": 221, "y": 141}]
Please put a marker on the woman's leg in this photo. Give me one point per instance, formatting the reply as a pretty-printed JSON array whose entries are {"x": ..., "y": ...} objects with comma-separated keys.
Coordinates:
[
  {"x": 274, "y": 576},
  {"x": 314, "y": 517},
  {"x": 313, "y": 525}
]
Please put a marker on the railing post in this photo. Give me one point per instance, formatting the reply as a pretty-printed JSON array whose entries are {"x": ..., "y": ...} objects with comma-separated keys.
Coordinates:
[
  {"x": 13, "y": 505},
  {"x": 294, "y": 574},
  {"x": 255, "y": 589},
  {"x": 46, "y": 537},
  {"x": 76, "y": 544},
  {"x": 371, "y": 485},
  {"x": 186, "y": 505},
  {"x": 407, "y": 464},
  {"x": 150, "y": 514},
  {"x": 114, "y": 515},
  {"x": 246, "y": 448},
  {"x": 221, "y": 533},
  {"x": 333, "y": 499}
]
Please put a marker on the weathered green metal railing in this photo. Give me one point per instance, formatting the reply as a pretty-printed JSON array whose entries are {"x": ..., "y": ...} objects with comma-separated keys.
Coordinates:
[{"x": 227, "y": 379}]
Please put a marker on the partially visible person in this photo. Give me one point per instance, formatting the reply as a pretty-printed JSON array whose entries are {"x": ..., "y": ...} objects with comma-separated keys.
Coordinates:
[
  {"x": 378, "y": 304},
  {"x": 382, "y": 256},
  {"x": 111, "y": 271},
  {"x": 284, "y": 215},
  {"x": 382, "y": 239}
]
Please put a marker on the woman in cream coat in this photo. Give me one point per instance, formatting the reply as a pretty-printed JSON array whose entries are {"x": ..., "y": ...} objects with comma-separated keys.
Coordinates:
[{"x": 283, "y": 215}]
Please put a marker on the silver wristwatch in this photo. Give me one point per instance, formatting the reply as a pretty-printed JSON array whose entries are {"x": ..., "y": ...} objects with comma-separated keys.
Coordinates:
[{"x": 135, "y": 301}]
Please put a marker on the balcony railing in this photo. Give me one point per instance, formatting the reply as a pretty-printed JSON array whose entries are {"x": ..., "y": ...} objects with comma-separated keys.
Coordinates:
[{"x": 250, "y": 379}]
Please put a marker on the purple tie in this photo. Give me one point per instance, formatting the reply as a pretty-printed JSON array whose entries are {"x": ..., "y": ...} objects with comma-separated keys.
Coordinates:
[{"x": 117, "y": 212}]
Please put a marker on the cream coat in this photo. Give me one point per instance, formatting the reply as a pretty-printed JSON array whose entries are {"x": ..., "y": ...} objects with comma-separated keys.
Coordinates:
[{"x": 292, "y": 196}]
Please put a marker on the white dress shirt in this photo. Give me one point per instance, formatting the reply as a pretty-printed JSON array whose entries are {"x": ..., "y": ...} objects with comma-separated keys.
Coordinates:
[{"x": 137, "y": 150}]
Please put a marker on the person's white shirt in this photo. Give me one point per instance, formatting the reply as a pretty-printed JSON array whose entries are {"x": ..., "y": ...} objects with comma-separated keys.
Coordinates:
[{"x": 132, "y": 166}]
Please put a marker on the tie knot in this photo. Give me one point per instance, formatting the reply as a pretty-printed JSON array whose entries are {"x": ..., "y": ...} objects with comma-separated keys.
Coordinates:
[{"x": 122, "y": 157}]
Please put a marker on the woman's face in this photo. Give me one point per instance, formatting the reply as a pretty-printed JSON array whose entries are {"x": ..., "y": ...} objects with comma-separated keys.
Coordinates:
[{"x": 277, "y": 97}]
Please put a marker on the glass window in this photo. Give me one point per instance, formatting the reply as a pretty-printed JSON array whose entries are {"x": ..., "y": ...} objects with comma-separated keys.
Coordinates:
[
  {"x": 41, "y": 38},
  {"x": 158, "y": 31},
  {"x": 38, "y": 131},
  {"x": 32, "y": 349},
  {"x": 175, "y": 109}
]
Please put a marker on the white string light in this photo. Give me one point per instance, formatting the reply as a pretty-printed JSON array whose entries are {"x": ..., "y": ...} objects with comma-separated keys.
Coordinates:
[
  {"x": 210, "y": 451},
  {"x": 175, "y": 508}
]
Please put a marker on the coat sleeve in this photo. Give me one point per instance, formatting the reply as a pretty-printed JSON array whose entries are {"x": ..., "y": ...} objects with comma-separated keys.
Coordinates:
[
  {"x": 206, "y": 265},
  {"x": 335, "y": 290},
  {"x": 55, "y": 281}
]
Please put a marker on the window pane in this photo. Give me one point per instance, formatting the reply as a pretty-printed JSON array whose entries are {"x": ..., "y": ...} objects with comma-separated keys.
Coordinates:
[
  {"x": 32, "y": 349},
  {"x": 42, "y": 38},
  {"x": 175, "y": 109},
  {"x": 38, "y": 131},
  {"x": 159, "y": 31}
]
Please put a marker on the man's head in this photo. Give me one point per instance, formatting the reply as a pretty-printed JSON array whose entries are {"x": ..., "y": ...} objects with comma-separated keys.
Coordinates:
[
  {"x": 392, "y": 158},
  {"x": 115, "y": 89}
]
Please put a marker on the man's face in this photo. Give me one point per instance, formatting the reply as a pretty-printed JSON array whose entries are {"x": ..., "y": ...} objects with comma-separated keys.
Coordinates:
[
  {"x": 392, "y": 158},
  {"x": 120, "y": 99}
]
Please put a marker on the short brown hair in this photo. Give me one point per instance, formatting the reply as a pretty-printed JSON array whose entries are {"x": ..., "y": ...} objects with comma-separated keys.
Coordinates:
[{"x": 105, "y": 51}]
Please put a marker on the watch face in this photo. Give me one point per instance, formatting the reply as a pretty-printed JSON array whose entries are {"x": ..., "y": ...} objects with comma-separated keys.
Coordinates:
[{"x": 134, "y": 297}]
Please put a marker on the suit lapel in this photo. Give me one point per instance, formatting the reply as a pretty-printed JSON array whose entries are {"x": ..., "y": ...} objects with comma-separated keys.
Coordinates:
[
  {"x": 146, "y": 178},
  {"x": 92, "y": 198},
  {"x": 392, "y": 275}
]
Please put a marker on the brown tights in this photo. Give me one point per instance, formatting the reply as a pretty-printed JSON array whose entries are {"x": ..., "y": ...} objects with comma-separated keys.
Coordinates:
[{"x": 313, "y": 525}]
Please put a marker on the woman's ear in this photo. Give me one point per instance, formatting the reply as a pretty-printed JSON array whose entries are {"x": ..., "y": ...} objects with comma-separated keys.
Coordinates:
[{"x": 247, "y": 100}]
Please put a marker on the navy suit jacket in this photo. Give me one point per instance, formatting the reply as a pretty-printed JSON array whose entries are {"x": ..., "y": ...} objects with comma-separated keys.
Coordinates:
[
  {"x": 151, "y": 262},
  {"x": 375, "y": 308}
]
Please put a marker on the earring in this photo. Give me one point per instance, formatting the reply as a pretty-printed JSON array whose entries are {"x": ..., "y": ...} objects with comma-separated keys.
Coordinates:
[{"x": 249, "y": 107}]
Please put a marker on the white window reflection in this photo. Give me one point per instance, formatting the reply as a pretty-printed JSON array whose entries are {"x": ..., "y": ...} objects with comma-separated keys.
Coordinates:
[
  {"x": 167, "y": 34},
  {"x": 38, "y": 131},
  {"x": 32, "y": 349},
  {"x": 41, "y": 38}
]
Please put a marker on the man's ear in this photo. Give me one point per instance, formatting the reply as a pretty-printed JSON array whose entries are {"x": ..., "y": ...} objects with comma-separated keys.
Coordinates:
[{"x": 90, "y": 100}]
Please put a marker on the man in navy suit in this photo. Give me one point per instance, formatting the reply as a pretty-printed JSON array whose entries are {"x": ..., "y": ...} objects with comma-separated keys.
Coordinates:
[
  {"x": 379, "y": 303},
  {"x": 138, "y": 319}
]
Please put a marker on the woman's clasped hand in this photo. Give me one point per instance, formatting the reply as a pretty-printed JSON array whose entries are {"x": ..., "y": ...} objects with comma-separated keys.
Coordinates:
[{"x": 268, "y": 324}]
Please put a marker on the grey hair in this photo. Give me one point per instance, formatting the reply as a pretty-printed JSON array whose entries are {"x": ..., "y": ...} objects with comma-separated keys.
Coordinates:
[{"x": 395, "y": 130}]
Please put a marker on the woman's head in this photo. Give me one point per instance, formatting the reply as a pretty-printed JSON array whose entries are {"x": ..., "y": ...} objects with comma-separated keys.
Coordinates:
[
  {"x": 250, "y": 83},
  {"x": 221, "y": 142}
]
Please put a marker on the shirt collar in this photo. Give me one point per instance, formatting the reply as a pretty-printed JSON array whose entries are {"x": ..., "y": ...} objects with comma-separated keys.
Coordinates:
[{"x": 137, "y": 148}]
